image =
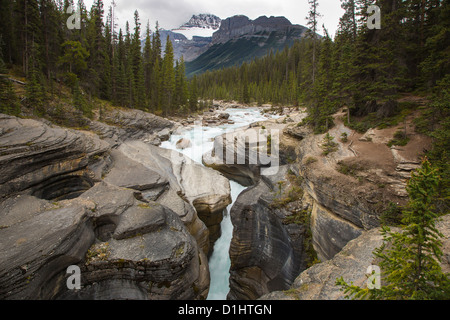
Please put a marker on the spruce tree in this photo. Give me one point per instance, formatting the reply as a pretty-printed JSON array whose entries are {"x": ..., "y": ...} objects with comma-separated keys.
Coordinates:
[
  {"x": 312, "y": 18},
  {"x": 148, "y": 66},
  {"x": 28, "y": 27},
  {"x": 181, "y": 89},
  {"x": 138, "y": 85},
  {"x": 35, "y": 92},
  {"x": 9, "y": 103},
  {"x": 156, "y": 78},
  {"x": 168, "y": 78},
  {"x": 193, "y": 94}
]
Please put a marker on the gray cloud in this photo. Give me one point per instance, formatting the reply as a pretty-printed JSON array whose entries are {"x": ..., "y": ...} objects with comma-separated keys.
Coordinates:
[{"x": 172, "y": 13}]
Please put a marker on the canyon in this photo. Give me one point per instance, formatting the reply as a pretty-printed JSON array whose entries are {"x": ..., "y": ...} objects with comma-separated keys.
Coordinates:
[{"x": 141, "y": 217}]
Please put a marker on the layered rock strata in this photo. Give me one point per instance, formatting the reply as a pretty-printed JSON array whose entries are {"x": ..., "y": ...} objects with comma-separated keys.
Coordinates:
[
  {"x": 125, "y": 213},
  {"x": 267, "y": 250},
  {"x": 351, "y": 263}
]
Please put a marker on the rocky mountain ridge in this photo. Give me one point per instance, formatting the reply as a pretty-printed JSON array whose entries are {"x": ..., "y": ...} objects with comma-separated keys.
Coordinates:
[
  {"x": 202, "y": 20},
  {"x": 240, "y": 25},
  {"x": 240, "y": 39},
  {"x": 207, "y": 42}
]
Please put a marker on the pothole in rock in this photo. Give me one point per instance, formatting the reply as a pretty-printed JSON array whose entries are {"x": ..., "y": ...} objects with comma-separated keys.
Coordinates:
[{"x": 63, "y": 188}]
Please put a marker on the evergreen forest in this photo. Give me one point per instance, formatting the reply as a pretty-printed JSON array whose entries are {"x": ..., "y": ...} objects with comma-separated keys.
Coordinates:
[{"x": 93, "y": 60}]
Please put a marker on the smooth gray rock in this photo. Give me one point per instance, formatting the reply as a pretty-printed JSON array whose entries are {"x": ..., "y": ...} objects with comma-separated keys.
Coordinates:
[
  {"x": 69, "y": 199},
  {"x": 194, "y": 190},
  {"x": 141, "y": 219},
  {"x": 131, "y": 174},
  {"x": 136, "y": 124},
  {"x": 319, "y": 281},
  {"x": 330, "y": 233},
  {"x": 266, "y": 254},
  {"x": 37, "y": 250}
]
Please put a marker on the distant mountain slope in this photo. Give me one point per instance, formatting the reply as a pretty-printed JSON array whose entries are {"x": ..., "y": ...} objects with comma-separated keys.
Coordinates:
[
  {"x": 193, "y": 37},
  {"x": 182, "y": 46},
  {"x": 240, "y": 39}
]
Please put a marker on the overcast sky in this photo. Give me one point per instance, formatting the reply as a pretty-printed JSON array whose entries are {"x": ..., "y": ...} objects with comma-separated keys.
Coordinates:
[{"x": 173, "y": 13}]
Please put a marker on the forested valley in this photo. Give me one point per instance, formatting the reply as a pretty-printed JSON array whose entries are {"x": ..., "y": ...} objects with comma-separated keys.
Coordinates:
[
  {"x": 375, "y": 75},
  {"x": 76, "y": 67}
]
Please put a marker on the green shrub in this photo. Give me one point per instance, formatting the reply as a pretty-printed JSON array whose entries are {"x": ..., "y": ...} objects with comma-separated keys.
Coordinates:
[
  {"x": 328, "y": 145},
  {"x": 400, "y": 139}
]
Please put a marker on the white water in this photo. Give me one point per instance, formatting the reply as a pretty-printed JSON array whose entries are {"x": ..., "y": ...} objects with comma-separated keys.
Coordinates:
[{"x": 202, "y": 142}]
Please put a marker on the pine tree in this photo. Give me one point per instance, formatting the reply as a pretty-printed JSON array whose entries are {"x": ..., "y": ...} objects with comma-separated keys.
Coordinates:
[
  {"x": 79, "y": 100},
  {"x": 312, "y": 19},
  {"x": 323, "y": 87},
  {"x": 8, "y": 44},
  {"x": 168, "y": 78},
  {"x": 193, "y": 94},
  {"x": 96, "y": 46},
  {"x": 120, "y": 76},
  {"x": 181, "y": 89},
  {"x": 436, "y": 46},
  {"x": 138, "y": 82},
  {"x": 156, "y": 78},
  {"x": 410, "y": 263},
  {"x": 35, "y": 93},
  {"x": 148, "y": 66},
  {"x": 74, "y": 58},
  {"x": 245, "y": 96},
  {"x": 347, "y": 23},
  {"x": 29, "y": 28},
  {"x": 52, "y": 36},
  {"x": 9, "y": 103}
]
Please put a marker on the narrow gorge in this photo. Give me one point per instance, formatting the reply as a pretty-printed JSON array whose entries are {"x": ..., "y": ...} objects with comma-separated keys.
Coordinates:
[{"x": 143, "y": 206}]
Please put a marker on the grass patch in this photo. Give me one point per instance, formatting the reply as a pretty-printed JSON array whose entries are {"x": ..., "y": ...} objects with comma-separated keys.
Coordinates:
[
  {"x": 349, "y": 169},
  {"x": 400, "y": 139},
  {"x": 98, "y": 252}
]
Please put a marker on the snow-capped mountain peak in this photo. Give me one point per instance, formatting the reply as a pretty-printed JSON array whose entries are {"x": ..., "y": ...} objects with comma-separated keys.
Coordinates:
[
  {"x": 203, "y": 20},
  {"x": 201, "y": 25}
]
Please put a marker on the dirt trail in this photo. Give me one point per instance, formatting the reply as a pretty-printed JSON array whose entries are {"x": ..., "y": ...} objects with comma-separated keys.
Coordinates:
[{"x": 365, "y": 162}]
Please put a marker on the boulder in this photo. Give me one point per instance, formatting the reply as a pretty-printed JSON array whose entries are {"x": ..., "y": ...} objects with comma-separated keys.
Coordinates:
[
  {"x": 194, "y": 191},
  {"x": 238, "y": 155},
  {"x": 223, "y": 116},
  {"x": 124, "y": 172},
  {"x": 183, "y": 143},
  {"x": 164, "y": 134},
  {"x": 133, "y": 249},
  {"x": 137, "y": 124}
]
